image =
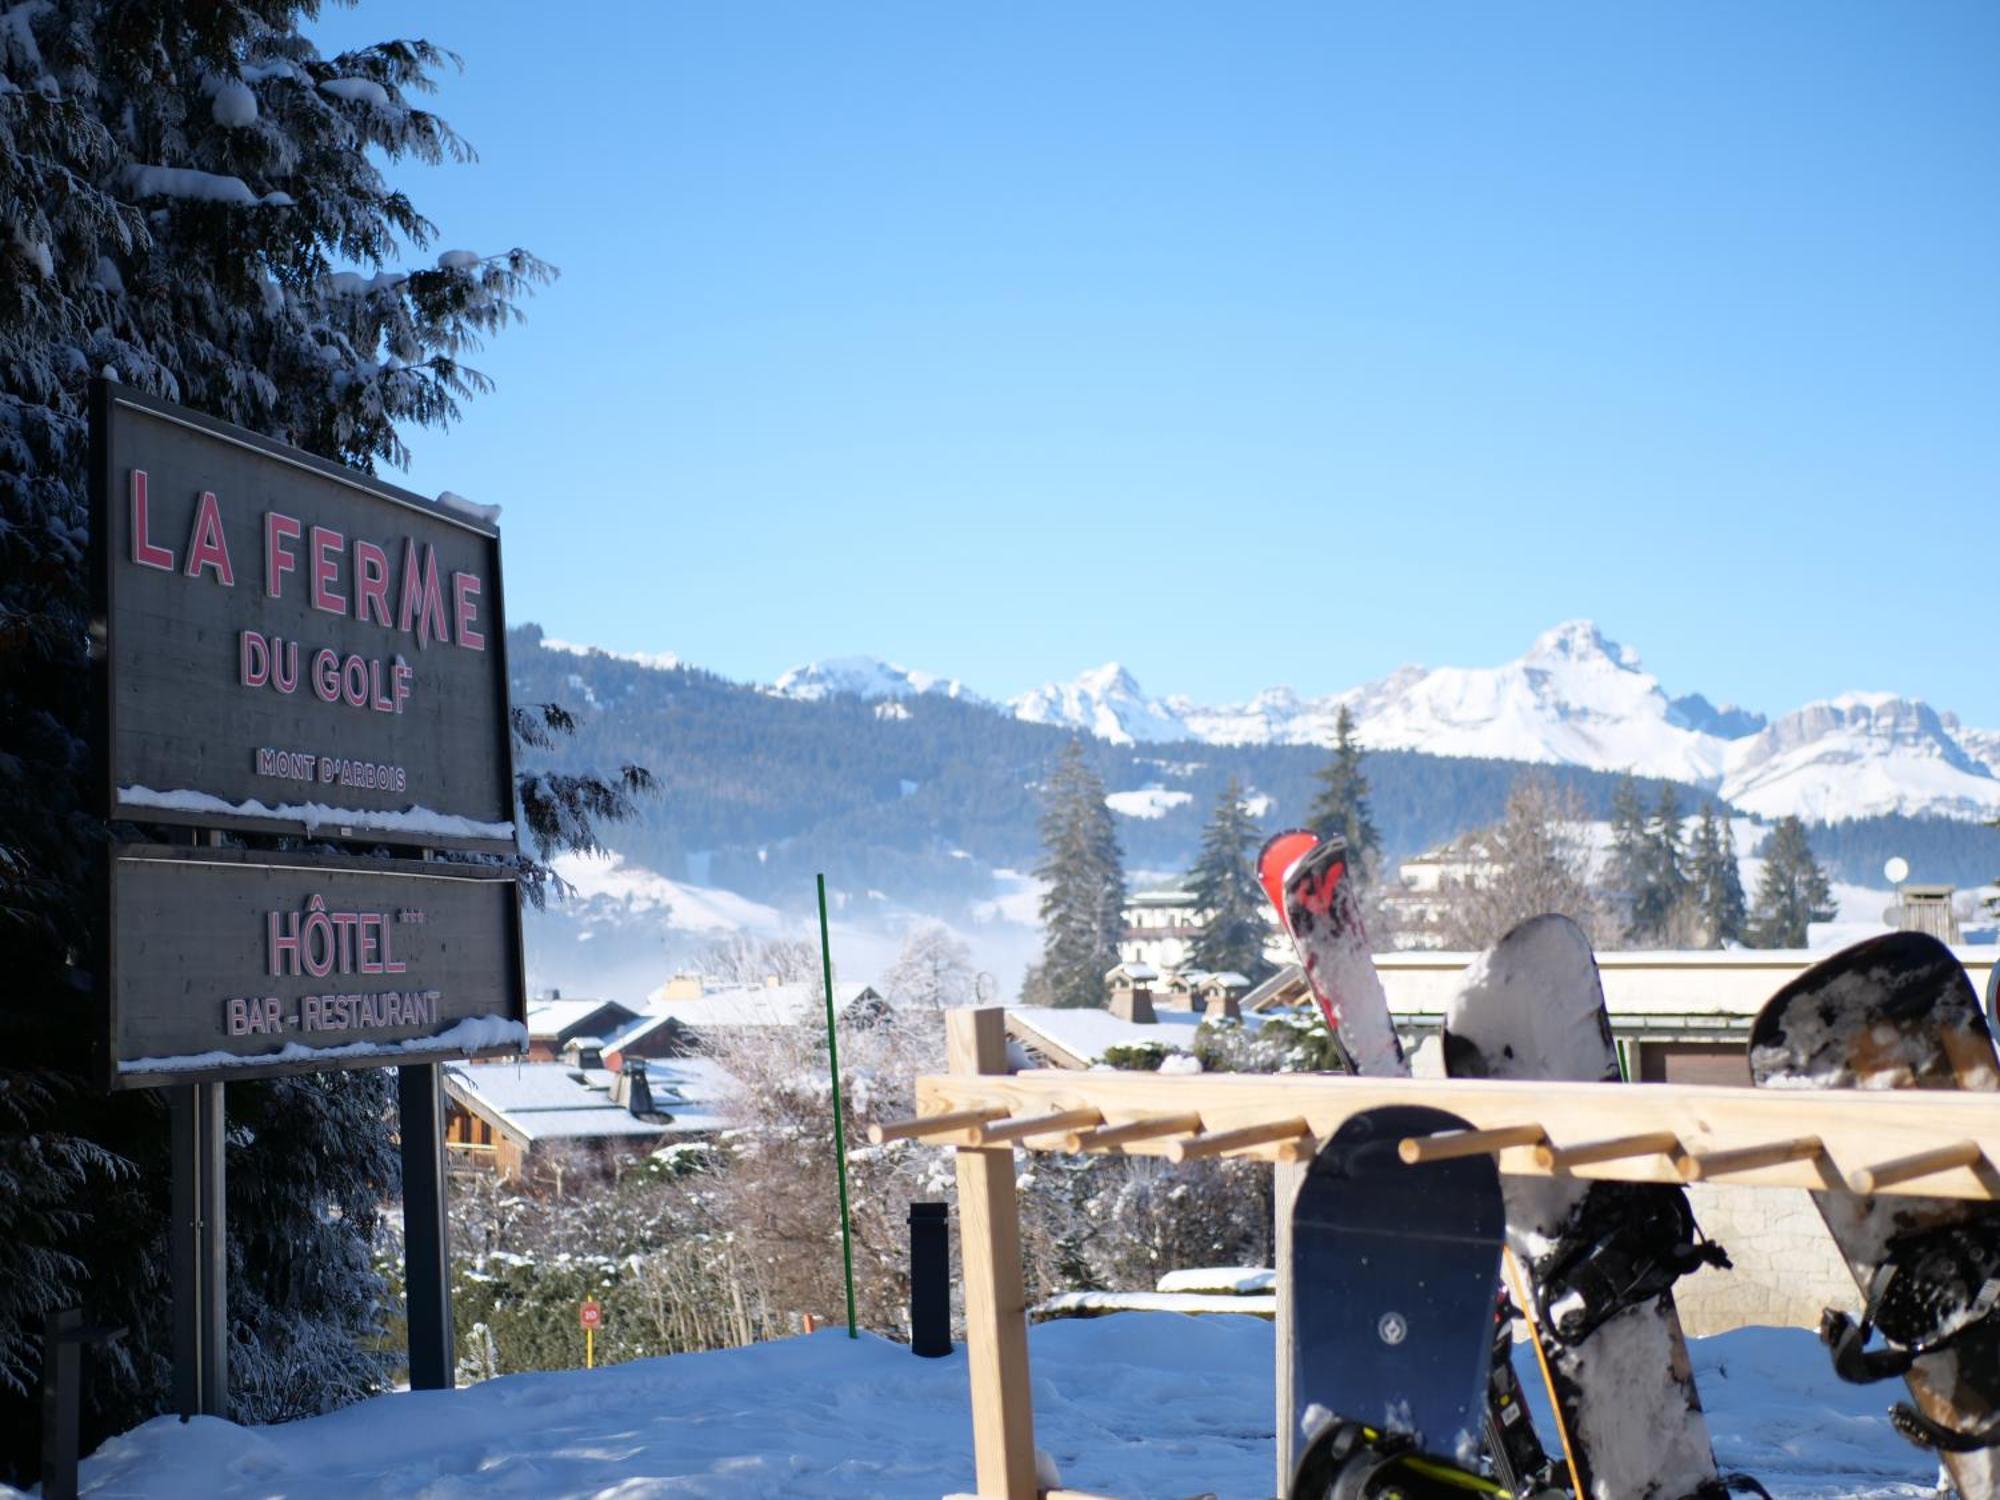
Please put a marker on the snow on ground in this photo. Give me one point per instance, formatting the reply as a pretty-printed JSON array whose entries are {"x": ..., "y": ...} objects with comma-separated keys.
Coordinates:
[{"x": 1136, "y": 1405}]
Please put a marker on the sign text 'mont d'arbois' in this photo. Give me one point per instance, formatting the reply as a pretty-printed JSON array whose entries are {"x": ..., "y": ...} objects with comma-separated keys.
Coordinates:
[{"x": 291, "y": 645}]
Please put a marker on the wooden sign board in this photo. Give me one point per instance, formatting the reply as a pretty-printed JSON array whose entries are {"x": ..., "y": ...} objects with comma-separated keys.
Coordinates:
[
  {"x": 289, "y": 645},
  {"x": 227, "y": 964}
]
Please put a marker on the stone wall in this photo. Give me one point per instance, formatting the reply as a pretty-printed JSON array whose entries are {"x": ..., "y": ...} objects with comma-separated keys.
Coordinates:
[{"x": 1786, "y": 1268}]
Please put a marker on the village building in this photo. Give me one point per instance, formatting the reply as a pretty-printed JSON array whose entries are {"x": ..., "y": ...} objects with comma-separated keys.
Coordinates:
[
  {"x": 541, "y": 1124},
  {"x": 554, "y": 1022}
]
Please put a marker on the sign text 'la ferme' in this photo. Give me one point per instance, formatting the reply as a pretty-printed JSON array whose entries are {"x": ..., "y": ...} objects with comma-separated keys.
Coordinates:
[{"x": 290, "y": 644}]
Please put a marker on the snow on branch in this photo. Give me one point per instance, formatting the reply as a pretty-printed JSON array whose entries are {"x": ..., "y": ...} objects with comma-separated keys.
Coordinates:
[{"x": 206, "y": 187}]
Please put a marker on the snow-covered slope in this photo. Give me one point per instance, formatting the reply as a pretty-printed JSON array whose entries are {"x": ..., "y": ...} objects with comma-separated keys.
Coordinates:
[
  {"x": 1855, "y": 756},
  {"x": 1106, "y": 702},
  {"x": 865, "y": 677}
]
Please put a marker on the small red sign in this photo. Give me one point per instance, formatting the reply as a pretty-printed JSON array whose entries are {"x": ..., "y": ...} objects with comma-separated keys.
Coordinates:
[{"x": 591, "y": 1315}]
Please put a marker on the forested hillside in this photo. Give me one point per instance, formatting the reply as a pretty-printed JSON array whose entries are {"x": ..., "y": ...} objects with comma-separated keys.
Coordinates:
[{"x": 920, "y": 799}]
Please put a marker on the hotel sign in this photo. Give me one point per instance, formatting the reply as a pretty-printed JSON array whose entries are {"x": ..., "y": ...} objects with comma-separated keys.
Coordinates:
[
  {"x": 289, "y": 645},
  {"x": 228, "y": 964}
]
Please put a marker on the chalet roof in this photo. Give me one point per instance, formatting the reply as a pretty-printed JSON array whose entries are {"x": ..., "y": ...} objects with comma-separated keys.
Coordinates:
[
  {"x": 1136, "y": 972},
  {"x": 1079, "y": 1038},
  {"x": 1283, "y": 989},
  {"x": 559, "y": 1020},
  {"x": 547, "y": 1101}
]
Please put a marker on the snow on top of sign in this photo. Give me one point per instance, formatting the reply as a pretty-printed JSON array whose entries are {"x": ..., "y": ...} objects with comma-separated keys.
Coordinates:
[
  {"x": 473, "y": 1034},
  {"x": 316, "y": 815},
  {"x": 451, "y": 500}
]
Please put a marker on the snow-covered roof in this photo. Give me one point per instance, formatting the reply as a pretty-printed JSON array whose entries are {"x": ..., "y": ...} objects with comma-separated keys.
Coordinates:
[
  {"x": 560, "y": 1019},
  {"x": 760, "y": 1005},
  {"x": 1160, "y": 898},
  {"x": 1078, "y": 1038},
  {"x": 1136, "y": 972},
  {"x": 546, "y": 1101},
  {"x": 638, "y": 1031}
]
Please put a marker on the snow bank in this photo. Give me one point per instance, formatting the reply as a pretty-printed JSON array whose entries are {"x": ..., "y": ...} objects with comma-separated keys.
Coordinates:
[{"x": 1133, "y": 1404}]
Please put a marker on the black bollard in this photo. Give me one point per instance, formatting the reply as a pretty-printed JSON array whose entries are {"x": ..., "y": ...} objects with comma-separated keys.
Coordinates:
[{"x": 930, "y": 1281}]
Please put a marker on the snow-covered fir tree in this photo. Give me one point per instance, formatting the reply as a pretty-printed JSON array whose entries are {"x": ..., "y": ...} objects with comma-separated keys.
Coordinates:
[
  {"x": 1793, "y": 892},
  {"x": 1715, "y": 884},
  {"x": 192, "y": 201},
  {"x": 1341, "y": 805},
  {"x": 1083, "y": 908},
  {"x": 1662, "y": 900},
  {"x": 1224, "y": 884},
  {"x": 1625, "y": 871}
]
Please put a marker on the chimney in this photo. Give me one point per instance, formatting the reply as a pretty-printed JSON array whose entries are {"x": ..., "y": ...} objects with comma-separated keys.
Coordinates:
[
  {"x": 1132, "y": 993},
  {"x": 633, "y": 1089}
]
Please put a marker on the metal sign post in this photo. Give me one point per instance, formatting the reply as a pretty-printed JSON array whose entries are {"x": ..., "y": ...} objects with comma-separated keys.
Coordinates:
[{"x": 200, "y": 1251}]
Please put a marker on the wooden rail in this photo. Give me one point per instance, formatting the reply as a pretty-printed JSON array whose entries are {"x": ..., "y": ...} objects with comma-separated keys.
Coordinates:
[
  {"x": 1920, "y": 1142},
  {"x": 1927, "y": 1143}
]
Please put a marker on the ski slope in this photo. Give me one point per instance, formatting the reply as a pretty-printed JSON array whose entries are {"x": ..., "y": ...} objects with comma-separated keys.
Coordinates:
[{"x": 1137, "y": 1405}]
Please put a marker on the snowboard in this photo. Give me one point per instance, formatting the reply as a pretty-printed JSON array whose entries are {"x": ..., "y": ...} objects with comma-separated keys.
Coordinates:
[
  {"x": 1898, "y": 1011},
  {"x": 1305, "y": 878},
  {"x": 1395, "y": 1274},
  {"x": 1599, "y": 1256}
]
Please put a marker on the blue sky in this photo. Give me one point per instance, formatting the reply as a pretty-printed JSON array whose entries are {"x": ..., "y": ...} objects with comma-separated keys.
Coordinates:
[{"x": 1241, "y": 343}]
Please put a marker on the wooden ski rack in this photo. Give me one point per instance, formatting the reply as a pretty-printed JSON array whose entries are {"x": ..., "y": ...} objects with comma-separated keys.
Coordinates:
[{"x": 1927, "y": 1143}]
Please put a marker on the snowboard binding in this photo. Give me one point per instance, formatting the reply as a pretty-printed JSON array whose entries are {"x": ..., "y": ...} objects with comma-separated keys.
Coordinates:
[
  {"x": 1352, "y": 1461},
  {"x": 1644, "y": 1240},
  {"x": 1933, "y": 1289}
]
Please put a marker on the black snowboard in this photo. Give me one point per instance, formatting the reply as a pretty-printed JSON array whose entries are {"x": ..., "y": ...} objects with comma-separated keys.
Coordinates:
[
  {"x": 1898, "y": 1011},
  {"x": 1394, "y": 1274}
]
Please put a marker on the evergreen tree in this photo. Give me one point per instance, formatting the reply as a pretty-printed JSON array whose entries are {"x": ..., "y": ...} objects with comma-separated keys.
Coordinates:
[
  {"x": 1793, "y": 891},
  {"x": 1341, "y": 806},
  {"x": 1661, "y": 896},
  {"x": 1224, "y": 883},
  {"x": 186, "y": 195},
  {"x": 1083, "y": 910},
  {"x": 1715, "y": 884},
  {"x": 1627, "y": 871}
]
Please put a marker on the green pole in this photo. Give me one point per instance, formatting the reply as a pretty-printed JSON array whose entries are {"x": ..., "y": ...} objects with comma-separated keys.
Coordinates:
[{"x": 839, "y": 1121}]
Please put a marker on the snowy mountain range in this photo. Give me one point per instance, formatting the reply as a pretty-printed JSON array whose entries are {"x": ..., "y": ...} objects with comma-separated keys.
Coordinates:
[
  {"x": 865, "y": 677},
  {"x": 1574, "y": 698}
]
